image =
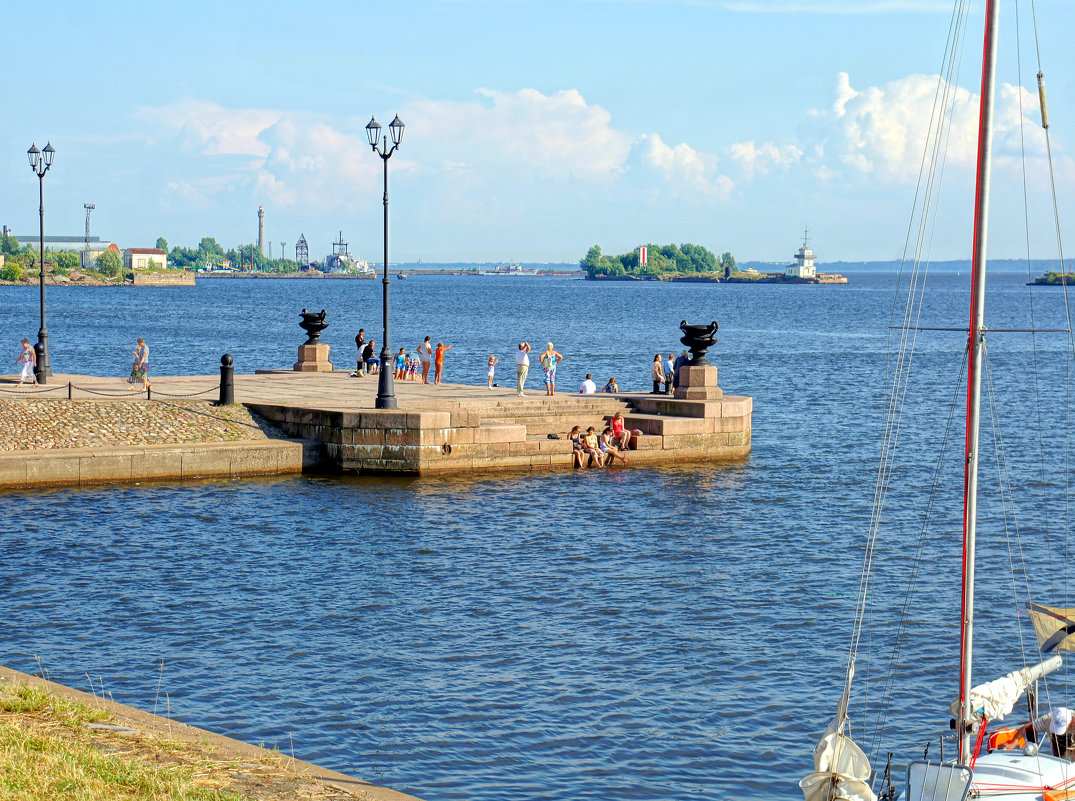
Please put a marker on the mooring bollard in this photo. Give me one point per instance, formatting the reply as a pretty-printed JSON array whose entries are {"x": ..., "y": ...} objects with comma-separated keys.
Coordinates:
[
  {"x": 39, "y": 356},
  {"x": 227, "y": 381},
  {"x": 68, "y": 390}
]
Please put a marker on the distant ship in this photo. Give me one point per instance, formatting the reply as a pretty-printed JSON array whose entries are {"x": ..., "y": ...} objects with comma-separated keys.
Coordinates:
[{"x": 511, "y": 269}]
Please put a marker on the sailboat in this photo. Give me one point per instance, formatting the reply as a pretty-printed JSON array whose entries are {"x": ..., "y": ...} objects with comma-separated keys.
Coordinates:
[{"x": 997, "y": 764}]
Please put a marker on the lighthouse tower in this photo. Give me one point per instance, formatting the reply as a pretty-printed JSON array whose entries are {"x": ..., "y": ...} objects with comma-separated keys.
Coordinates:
[
  {"x": 804, "y": 263},
  {"x": 261, "y": 230}
]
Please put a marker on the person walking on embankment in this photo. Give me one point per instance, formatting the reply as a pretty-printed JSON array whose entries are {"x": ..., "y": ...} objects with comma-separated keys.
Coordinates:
[
  {"x": 28, "y": 360},
  {"x": 140, "y": 370}
]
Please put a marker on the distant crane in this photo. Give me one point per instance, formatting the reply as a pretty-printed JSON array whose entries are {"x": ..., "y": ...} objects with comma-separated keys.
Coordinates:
[{"x": 86, "y": 250}]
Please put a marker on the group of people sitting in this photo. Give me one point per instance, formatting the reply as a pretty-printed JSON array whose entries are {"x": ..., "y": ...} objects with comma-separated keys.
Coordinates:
[
  {"x": 589, "y": 386},
  {"x": 593, "y": 450}
]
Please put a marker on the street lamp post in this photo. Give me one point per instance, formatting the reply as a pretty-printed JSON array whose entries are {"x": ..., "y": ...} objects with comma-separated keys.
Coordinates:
[
  {"x": 386, "y": 391},
  {"x": 40, "y": 161}
]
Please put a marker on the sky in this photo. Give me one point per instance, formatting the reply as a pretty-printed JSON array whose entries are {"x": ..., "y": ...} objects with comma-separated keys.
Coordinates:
[{"x": 534, "y": 128}]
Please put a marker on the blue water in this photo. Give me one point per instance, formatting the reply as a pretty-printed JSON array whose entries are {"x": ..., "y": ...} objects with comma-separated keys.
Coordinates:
[{"x": 663, "y": 633}]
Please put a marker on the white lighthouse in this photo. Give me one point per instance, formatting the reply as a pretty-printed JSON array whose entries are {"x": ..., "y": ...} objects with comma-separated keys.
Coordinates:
[{"x": 804, "y": 263}]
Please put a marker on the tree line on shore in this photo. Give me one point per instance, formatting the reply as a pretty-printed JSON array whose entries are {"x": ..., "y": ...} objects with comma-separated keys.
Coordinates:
[
  {"x": 109, "y": 264},
  {"x": 209, "y": 251},
  {"x": 684, "y": 259}
]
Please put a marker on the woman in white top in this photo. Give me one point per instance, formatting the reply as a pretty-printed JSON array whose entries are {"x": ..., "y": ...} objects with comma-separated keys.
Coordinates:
[{"x": 425, "y": 355}]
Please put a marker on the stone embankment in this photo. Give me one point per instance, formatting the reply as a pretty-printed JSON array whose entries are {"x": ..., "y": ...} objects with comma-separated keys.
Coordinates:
[
  {"x": 55, "y": 441},
  {"x": 81, "y": 429}
]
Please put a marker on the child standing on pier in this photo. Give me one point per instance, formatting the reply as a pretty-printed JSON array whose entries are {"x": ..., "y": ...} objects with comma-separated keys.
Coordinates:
[
  {"x": 28, "y": 360},
  {"x": 493, "y": 362}
]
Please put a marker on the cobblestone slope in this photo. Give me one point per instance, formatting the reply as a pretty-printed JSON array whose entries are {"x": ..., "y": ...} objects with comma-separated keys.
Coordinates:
[{"x": 35, "y": 424}]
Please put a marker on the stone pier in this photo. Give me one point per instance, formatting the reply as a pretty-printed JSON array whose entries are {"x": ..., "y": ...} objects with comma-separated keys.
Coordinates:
[{"x": 450, "y": 428}]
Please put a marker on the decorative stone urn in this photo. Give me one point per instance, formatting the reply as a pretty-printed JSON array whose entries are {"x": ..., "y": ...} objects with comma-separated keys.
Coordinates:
[
  {"x": 699, "y": 338},
  {"x": 698, "y": 378},
  {"x": 313, "y": 323},
  {"x": 313, "y": 354}
]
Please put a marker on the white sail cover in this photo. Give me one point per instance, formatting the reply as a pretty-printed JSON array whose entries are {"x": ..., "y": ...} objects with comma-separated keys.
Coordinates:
[
  {"x": 841, "y": 769},
  {"x": 1055, "y": 628},
  {"x": 997, "y": 698}
]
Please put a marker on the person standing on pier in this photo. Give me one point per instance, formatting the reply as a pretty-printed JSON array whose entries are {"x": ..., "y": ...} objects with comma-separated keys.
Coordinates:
[
  {"x": 657, "y": 372},
  {"x": 549, "y": 359},
  {"x": 439, "y": 361},
  {"x": 493, "y": 362},
  {"x": 360, "y": 343},
  {"x": 681, "y": 360},
  {"x": 141, "y": 366},
  {"x": 28, "y": 360},
  {"x": 522, "y": 365},
  {"x": 669, "y": 373},
  {"x": 425, "y": 353}
]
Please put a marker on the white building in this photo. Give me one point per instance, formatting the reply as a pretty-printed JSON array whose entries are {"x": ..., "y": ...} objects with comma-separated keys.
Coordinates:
[
  {"x": 144, "y": 258},
  {"x": 804, "y": 263}
]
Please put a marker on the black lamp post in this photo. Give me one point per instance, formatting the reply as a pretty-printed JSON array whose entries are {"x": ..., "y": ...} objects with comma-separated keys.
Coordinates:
[
  {"x": 40, "y": 161},
  {"x": 386, "y": 391}
]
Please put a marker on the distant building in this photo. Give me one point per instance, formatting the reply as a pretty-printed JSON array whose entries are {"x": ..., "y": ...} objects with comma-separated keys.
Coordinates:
[
  {"x": 144, "y": 258},
  {"x": 94, "y": 248},
  {"x": 804, "y": 263}
]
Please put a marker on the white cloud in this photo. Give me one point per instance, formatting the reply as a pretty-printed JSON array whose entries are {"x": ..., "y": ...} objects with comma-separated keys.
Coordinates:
[
  {"x": 761, "y": 159},
  {"x": 492, "y": 144},
  {"x": 683, "y": 166},
  {"x": 211, "y": 128},
  {"x": 553, "y": 136},
  {"x": 881, "y": 131}
]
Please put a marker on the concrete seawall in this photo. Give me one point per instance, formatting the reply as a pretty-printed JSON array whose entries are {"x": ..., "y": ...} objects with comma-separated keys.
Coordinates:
[{"x": 80, "y": 466}]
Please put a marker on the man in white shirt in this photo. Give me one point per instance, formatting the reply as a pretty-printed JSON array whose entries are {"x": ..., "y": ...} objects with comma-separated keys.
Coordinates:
[
  {"x": 522, "y": 365},
  {"x": 588, "y": 387}
]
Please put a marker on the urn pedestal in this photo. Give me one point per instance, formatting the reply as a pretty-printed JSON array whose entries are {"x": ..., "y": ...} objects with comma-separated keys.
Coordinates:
[
  {"x": 698, "y": 382},
  {"x": 313, "y": 353},
  {"x": 698, "y": 378},
  {"x": 313, "y": 359}
]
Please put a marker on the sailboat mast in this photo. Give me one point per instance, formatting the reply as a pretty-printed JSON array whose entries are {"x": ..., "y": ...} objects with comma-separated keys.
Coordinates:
[{"x": 975, "y": 340}]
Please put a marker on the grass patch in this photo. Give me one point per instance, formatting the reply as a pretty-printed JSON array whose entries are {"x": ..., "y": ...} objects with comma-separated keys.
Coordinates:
[{"x": 47, "y": 752}]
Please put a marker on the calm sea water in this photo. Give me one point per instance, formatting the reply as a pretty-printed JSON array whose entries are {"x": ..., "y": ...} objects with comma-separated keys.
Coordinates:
[{"x": 663, "y": 633}]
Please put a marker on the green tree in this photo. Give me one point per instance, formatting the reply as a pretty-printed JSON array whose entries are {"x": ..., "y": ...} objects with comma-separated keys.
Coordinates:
[
  {"x": 110, "y": 263},
  {"x": 9, "y": 245},
  {"x": 162, "y": 244},
  {"x": 11, "y": 271},
  {"x": 65, "y": 261},
  {"x": 209, "y": 250},
  {"x": 184, "y": 258},
  {"x": 727, "y": 262}
]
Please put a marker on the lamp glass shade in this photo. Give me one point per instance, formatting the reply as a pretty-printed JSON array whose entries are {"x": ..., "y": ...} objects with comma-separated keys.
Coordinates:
[
  {"x": 49, "y": 153},
  {"x": 373, "y": 131},
  {"x": 34, "y": 154},
  {"x": 396, "y": 127}
]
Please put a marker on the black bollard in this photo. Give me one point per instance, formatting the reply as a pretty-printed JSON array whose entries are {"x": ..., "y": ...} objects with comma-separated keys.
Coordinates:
[
  {"x": 39, "y": 368},
  {"x": 227, "y": 381}
]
